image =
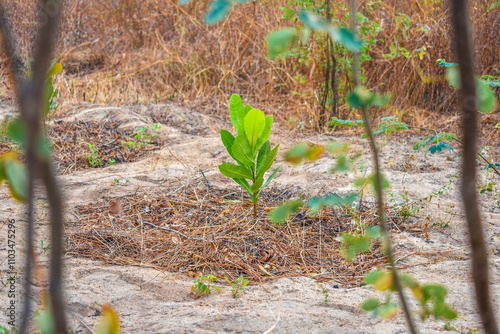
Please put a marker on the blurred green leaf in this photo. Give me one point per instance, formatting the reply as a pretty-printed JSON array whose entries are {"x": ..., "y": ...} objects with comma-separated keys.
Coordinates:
[
  {"x": 218, "y": 10},
  {"x": 17, "y": 131},
  {"x": 296, "y": 154},
  {"x": 280, "y": 42},
  {"x": 373, "y": 276},
  {"x": 44, "y": 322},
  {"x": 486, "y": 97},
  {"x": 346, "y": 37},
  {"x": 361, "y": 97},
  {"x": 42, "y": 147},
  {"x": 337, "y": 34},
  {"x": 109, "y": 322},
  {"x": 336, "y": 147},
  {"x": 370, "y": 304},
  {"x": 285, "y": 210},
  {"x": 17, "y": 176},
  {"x": 388, "y": 311},
  {"x": 318, "y": 203},
  {"x": 313, "y": 21}
]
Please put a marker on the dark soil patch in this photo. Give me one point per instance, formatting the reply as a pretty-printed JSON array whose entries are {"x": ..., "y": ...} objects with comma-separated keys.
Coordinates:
[{"x": 71, "y": 142}]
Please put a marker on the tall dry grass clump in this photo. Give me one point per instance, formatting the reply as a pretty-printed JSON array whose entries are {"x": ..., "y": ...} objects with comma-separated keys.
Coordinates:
[{"x": 143, "y": 51}]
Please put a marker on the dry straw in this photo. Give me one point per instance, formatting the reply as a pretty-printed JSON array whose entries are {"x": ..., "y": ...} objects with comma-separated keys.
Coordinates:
[
  {"x": 191, "y": 229},
  {"x": 142, "y": 51}
]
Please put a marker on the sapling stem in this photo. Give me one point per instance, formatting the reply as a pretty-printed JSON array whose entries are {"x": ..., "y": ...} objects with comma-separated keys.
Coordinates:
[
  {"x": 255, "y": 209},
  {"x": 386, "y": 239}
]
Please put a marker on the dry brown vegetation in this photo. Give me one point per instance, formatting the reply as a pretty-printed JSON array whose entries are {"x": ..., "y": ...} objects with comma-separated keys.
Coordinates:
[
  {"x": 183, "y": 227},
  {"x": 143, "y": 51}
]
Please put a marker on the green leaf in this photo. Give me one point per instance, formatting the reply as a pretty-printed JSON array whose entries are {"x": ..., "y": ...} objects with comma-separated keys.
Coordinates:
[
  {"x": 268, "y": 162},
  {"x": 17, "y": 131},
  {"x": 184, "y": 2},
  {"x": 486, "y": 97},
  {"x": 263, "y": 153},
  {"x": 388, "y": 311},
  {"x": 282, "y": 212},
  {"x": 234, "y": 171},
  {"x": 245, "y": 185},
  {"x": 373, "y": 276},
  {"x": 346, "y": 37},
  {"x": 269, "y": 179},
  {"x": 296, "y": 154},
  {"x": 373, "y": 180},
  {"x": 42, "y": 147},
  {"x": 370, "y": 304},
  {"x": 228, "y": 141},
  {"x": 318, "y": 203},
  {"x": 341, "y": 165},
  {"x": 237, "y": 114},
  {"x": 373, "y": 232},
  {"x": 17, "y": 176},
  {"x": 218, "y": 11},
  {"x": 44, "y": 322},
  {"x": 247, "y": 109},
  {"x": 336, "y": 147},
  {"x": 266, "y": 132},
  {"x": 242, "y": 151},
  {"x": 339, "y": 35},
  {"x": 314, "y": 22},
  {"x": 109, "y": 323},
  {"x": 441, "y": 310},
  {"x": 453, "y": 76},
  {"x": 255, "y": 121},
  {"x": 279, "y": 42},
  {"x": 55, "y": 69},
  {"x": 257, "y": 184},
  {"x": 361, "y": 97}
]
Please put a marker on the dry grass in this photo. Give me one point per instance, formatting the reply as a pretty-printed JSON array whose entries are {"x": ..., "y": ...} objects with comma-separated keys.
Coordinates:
[
  {"x": 143, "y": 51},
  {"x": 190, "y": 229}
]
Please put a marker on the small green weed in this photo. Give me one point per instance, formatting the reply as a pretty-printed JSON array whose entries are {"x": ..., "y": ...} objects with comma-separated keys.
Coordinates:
[
  {"x": 325, "y": 292},
  {"x": 203, "y": 286},
  {"x": 449, "y": 327},
  {"x": 237, "y": 286},
  {"x": 43, "y": 246},
  {"x": 93, "y": 158},
  {"x": 142, "y": 138}
]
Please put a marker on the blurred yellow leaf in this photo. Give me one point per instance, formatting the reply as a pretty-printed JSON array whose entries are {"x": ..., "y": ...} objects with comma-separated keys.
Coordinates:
[{"x": 109, "y": 323}]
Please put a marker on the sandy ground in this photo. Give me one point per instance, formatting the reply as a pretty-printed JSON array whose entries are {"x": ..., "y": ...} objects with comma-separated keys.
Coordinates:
[{"x": 154, "y": 301}]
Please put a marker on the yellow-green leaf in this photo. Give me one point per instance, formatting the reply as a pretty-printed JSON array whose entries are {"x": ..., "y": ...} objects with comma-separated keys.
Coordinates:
[
  {"x": 109, "y": 323},
  {"x": 255, "y": 121}
]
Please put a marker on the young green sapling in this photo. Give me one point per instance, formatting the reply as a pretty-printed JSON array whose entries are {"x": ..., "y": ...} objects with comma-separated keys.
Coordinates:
[{"x": 251, "y": 149}]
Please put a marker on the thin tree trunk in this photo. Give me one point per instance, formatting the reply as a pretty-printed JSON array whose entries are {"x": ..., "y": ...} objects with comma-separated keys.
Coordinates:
[
  {"x": 468, "y": 101},
  {"x": 31, "y": 98}
]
